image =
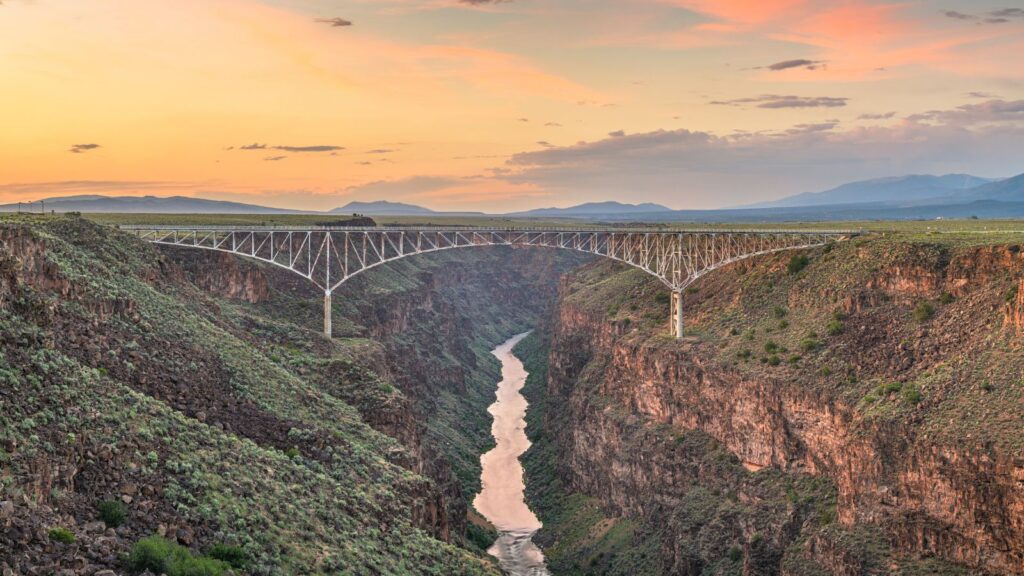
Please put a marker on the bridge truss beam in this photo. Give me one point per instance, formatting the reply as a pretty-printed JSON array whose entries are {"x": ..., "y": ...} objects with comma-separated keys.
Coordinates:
[{"x": 328, "y": 257}]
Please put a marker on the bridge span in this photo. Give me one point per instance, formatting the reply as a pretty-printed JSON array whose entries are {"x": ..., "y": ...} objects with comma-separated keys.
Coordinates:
[{"x": 329, "y": 256}]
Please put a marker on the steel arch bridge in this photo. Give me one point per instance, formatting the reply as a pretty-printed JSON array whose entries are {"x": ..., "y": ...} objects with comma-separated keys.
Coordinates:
[{"x": 330, "y": 256}]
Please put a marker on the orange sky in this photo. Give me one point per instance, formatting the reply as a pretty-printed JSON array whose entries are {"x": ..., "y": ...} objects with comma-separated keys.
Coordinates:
[{"x": 501, "y": 105}]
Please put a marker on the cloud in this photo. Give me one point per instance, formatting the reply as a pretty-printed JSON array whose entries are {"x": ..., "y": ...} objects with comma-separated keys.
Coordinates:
[
  {"x": 982, "y": 95},
  {"x": 335, "y": 22},
  {"x": 294, "y": 149},
  {"x": 991, "y": 111},
  {"x": 617, "y": 134},
  {"x": 553, "y": 124},
  {"x": 799, "y": 63},
  {"x": 958, "y": 15},
  {"x": 381, "y": 151},
  {"x": 301, "y": 149},
  {"x": 695, "y": 169},
  {"x": 545, "y": 144},
  {"x": 274, "y": 158},
  {"x": 482, "y": 2},
  {"x": 773, "y": 101},
  {"x": 83, "y": 148},
  {"x": 402, "y": 188},
  {"x": 885, "y": 116},
  {"x": 1009, "y": 13}
]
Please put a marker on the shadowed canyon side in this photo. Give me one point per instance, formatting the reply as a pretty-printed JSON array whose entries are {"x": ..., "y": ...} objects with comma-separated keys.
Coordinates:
[{"x": 861, "y": 415}]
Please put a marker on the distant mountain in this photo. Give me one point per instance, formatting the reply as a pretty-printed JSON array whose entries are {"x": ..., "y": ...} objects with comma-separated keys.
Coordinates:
[
  {"x": 895, "y": 191},
  {"x": 144, "y": 205},
  {"x": 1009, "y": 190},
  {"x": 383, "y": 208},
  {"x": 596, "y": 209}
]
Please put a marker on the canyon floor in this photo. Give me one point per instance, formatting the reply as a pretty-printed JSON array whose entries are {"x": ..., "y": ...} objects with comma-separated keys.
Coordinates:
[{"x": 857, "y": 409}]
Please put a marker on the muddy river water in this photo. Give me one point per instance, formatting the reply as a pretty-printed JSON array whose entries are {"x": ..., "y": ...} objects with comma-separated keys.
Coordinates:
[{"x": 501, "y": 499}]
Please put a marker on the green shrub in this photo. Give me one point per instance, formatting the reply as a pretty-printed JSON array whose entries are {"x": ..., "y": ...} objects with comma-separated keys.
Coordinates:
[
  {"x": 779, "y": 312},
  {"x": 870, "y": 399},
  {"x": 924, "y": 311},
  {"x": 771, "y": 347},
  {"x": 834, "y": 327},
  {"x": 743, "y": 354},
  {"x": 946, "y": 298},
  {"x": 62, "y": 535},
  {"x": 662, "y": 298},
  {"x": 986, "y": 386},
  {"x": 795, "y": 358},
  {"x": 292, "y": 452},
  {"x": 808, "y": 345},
  {"x": 826, "y": 371},
  {"x": 1011, "y": 295},
  {"x": 783, "y": 324},
  {"x": 912, "y": 394},
  {"x": 774, "y": 360},
  {"x": 161, "y": 556},
  {"x": 233, "y": 555},
  {"x": 797, "y": 263},
  {"x": 735, "y": 553},
  {"x": 112, "y": 512}
]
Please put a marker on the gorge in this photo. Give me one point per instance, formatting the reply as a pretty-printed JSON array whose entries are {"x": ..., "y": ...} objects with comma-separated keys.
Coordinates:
[{"x": 858, "y": 414}]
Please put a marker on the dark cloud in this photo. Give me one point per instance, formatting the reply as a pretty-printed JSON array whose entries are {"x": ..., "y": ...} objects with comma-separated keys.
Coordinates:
[
  {"x": 381, "y": 151},
  {"x": 958, "y": 15},
  {"x": 335, "y": 22},
  {"x": 82, "y": 148},
  {"x": 1001, "y": 16},
  {"x": 799, "y": 63},
  {"x": 777, "y": 101},
  {"x": 617, "y": 134},
  {"x": 308, "y": 148},
  {"x": 989, "y": 112},
  {"x": 294, "y": 149},
  {"x": 274, "y": 158},
  {"x": 884, "y": 116},
  {"x": 982, "y": 95},
  {"x": 704, "y": 170},
  {"x": 545, "y": 144},
  {"x": 1009, "y": 13}
]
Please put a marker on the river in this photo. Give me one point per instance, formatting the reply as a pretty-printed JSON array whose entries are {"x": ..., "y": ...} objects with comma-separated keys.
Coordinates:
[{"x": 502, "y": 500}]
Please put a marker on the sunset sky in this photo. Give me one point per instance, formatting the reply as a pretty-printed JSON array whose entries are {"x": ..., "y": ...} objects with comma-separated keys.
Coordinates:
[{"x": 502, "y": 106}]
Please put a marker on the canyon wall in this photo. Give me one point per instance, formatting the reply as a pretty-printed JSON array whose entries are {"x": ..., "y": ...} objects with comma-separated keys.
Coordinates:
[{"x": 899, "y": 467}]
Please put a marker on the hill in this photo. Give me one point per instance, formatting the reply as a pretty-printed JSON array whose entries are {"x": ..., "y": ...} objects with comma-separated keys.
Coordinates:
[
  {"x": 383, "y": 208},
  {"x": 142, "y": 205},
  {"x": 1009, "y": 190},
  {"x": 596, "y": 209}
]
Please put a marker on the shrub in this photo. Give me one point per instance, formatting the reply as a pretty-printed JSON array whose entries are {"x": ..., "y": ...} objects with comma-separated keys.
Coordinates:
[
  {"x": 986, "y": 386},
  {"x": 797, "y": 263},
  {"x": 779, "y": 312},
  {"x": 112, "y": 512},
  {"x": 946, "y": 298},
  {"x": 743, "y": 354},
  {"x": 774, "y": 360},
  {"x": 62, "y": 535},
  {"x": 662, "y": 298},
  {"x": 808, "y": 345},
  {"x": 783, "y": 324},
  {"x": 292, "y": 452},
  {"x": 912, "y": 394},
  {"x": 826, "y": 371},
  {"x": 161, "y": 556},
  {"x": 1011, "y": 295},
  {"x": 735, "y": 553},
  {"x": 233, "y": 555},
  {"x": 771, "y": 347},
  {"x": 924, "y": 311},
  {"x": 834, "y": 327},
  {"x": 870, "y": 399}
]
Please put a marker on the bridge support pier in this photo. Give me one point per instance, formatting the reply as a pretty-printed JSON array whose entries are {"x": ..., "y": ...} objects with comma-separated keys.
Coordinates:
[
  {"x": 677, "y": 314},
  {"x": 327, "y": 314}
]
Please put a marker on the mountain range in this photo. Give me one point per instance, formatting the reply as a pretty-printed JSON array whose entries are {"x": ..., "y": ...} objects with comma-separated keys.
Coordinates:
[{"x": 897, "y": 198}]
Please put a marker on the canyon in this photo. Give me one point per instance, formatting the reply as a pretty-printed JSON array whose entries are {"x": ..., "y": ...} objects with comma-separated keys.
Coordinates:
[{"x": 860, "y": 414}]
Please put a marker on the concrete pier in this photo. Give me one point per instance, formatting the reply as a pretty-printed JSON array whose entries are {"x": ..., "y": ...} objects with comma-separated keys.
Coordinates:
[
  {"x": 676, "y": 314},
  {"x": 327, "y": 314}
]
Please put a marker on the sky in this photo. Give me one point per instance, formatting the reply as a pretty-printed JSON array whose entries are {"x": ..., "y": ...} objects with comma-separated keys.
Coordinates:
[{"x": 501, "y": 106}]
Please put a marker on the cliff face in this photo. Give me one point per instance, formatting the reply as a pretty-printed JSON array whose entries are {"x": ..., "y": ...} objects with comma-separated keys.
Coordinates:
[{"x": 904, "y": 458}]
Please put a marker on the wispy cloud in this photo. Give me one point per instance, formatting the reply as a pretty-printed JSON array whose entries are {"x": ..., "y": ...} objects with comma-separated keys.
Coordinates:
[
  {"x": 294, "y": 149},
  {"x": 772, "y": 101},
  {"x": 83, "y": 148},
  {"x": 335, "y": 22},
  {"x": 883, "y": 116},
  {"x": 799, "y": 63},
  {"x": 274, "y": 158}
]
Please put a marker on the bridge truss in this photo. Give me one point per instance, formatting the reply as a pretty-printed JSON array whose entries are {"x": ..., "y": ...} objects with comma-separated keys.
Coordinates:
[{"x": 328, "y": 257}]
